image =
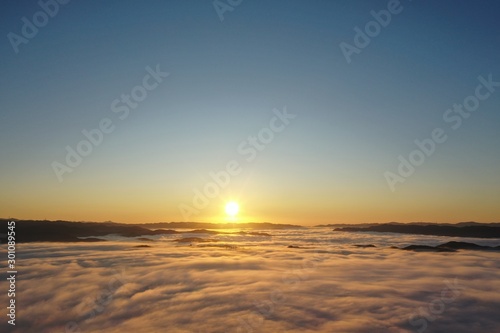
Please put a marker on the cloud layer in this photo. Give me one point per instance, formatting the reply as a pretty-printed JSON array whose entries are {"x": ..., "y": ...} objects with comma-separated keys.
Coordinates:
[{"x": 258, "y": 285}]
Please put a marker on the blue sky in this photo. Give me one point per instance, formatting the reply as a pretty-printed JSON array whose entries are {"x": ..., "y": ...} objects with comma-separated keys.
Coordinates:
[{"x": 353, "y": 120}]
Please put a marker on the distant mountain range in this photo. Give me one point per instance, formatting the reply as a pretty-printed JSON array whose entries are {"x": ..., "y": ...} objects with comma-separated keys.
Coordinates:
[
  {"x": 204, "y": 225},
  {"x": 66, "y": 231},
  {"x": 465, "y": 229},
  {"x": 459, "y": 224}
]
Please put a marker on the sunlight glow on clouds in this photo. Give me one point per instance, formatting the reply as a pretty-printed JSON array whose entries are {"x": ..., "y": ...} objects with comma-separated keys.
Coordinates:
[{"x": 319, "y": 287}]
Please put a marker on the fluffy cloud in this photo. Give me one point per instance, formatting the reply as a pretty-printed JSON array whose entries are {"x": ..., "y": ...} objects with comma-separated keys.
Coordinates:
[{"x": 258, "y": 285}]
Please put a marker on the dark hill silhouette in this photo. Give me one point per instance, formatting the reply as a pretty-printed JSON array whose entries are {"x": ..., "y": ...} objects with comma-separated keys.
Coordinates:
[
  {"x": 204, "y": 225},
  {"x": 65, "y": 231},
  {"x": 476, "y": 231},
  {"x": 451, "y": 247}
]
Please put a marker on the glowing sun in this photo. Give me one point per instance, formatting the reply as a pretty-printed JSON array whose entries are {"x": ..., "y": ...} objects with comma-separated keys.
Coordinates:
[{"x": 232, "y": 208}]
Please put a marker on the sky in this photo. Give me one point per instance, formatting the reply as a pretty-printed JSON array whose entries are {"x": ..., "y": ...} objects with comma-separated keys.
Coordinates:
[{"x": 294, "y": 109}]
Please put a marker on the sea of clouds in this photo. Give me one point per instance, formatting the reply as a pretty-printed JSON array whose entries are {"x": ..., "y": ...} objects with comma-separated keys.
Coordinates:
[{"x": 248, "y": 283}]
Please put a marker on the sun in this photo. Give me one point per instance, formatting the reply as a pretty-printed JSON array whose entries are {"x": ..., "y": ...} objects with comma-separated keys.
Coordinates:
[{"x": 232, "y": 208}]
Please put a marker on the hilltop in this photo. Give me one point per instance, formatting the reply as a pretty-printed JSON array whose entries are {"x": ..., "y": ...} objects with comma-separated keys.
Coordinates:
[
  {"x": 464, "y": 229},
  {"x": 68, "y": 231}
]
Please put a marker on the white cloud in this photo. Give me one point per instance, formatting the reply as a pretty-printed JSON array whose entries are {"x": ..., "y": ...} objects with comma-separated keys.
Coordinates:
[{"x": 327, "y": 286}]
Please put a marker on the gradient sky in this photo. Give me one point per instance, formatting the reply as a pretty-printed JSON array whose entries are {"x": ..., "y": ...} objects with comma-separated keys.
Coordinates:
[{"x": 352, "y": 120}]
